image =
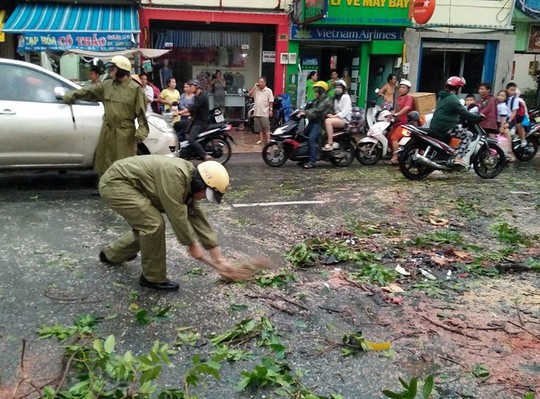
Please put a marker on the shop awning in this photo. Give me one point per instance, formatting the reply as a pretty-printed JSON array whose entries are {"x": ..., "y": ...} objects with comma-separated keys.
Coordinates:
[
  {"x": 61, "y": 27},
  {"x": 145, "y": 52}
]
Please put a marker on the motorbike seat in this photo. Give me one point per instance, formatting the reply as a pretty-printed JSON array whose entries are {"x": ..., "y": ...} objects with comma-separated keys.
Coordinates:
[{"x": 215, "y": 126}]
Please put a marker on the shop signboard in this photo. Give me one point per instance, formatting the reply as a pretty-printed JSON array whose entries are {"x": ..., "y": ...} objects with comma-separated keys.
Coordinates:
[
  {"x": 534, "y": 39},
  {"x": 367, "y": 12},
  {"x": 61, "y": 41},
  {"x": 2, "y": 35},
  {"x": 345, "y": 34}
]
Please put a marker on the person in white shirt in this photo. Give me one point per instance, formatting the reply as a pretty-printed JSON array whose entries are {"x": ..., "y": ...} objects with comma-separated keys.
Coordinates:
[
  {"x": 342, "y": 113},
  {"x": 263, "y": 102},
  {"x": 148, "y": 91}
]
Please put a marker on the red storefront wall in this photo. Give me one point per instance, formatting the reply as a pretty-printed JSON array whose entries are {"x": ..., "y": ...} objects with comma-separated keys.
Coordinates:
[{"x": 280, "y": 21}]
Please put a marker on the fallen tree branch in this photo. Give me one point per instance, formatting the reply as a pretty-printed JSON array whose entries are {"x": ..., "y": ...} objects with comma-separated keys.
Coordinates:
[
  {"x": 524, "y": 329},
  {"x": 451, "y": 329}
]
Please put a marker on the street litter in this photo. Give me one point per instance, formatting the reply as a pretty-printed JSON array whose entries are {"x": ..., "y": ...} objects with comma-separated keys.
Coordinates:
[
  {"x": 427, "y": 274},
  {"x": 393, "y": 287},
  {"x": 402, "y": 271}
]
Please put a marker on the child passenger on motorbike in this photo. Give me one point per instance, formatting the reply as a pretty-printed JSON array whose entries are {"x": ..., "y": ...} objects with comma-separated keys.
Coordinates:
[
  {"x": 341, "y": 115},
  {"x": 322, "y": 106},
  {"x": 447, "y": 115}
]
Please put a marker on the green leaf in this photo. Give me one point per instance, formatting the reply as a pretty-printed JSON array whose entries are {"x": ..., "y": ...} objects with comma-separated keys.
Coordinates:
[
  {"x": 481, "y": 371},
  {"x": 109, "y": 344},
  {"x": 392, "y": 395},
  {"x": 428, "y": 387}
]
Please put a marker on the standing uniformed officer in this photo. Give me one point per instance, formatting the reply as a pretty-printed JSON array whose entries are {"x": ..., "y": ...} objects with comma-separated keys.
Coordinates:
[
  {"x": 124, "y": 101},
  {"x": 140, "y": 189}
]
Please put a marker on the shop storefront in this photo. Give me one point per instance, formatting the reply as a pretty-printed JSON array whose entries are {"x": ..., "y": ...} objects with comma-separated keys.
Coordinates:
[
  {"x": 203, "y": 43},
  {"x": 361, "y": 39},
  {"x": 57, "y": 28},
  {"x": 462, "y": 38}
]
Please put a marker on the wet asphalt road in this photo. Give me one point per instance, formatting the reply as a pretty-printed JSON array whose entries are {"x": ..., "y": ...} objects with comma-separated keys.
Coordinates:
[{"x": 52, "y": 228}]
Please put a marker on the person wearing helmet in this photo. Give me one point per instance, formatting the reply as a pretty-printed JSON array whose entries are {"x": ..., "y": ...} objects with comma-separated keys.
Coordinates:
[
  {"x": 342, "y": 113},
  {"x": 199, "y": 111},
  {"x": 316, "y": 114},
  {"x": 124, "y": 102},
  {"x": 140, "y": 189},
  {"x": 447, "y": 115},
  {"x": 404, "y": 104}
]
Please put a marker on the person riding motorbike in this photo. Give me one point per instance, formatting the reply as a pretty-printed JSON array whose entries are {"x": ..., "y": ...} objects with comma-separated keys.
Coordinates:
[
  {"x": 447, "y": 116},
  {"x": 199, "y": 112},
  {"x": 341, "y": 115},
  {"x": 316, "y": 114}
]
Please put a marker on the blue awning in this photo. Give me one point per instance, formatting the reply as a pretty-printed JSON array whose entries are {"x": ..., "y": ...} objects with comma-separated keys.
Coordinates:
[{"x": 48, "y": 26}]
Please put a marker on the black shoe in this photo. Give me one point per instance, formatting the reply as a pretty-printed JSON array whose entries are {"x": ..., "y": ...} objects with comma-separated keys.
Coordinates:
[
  {"x": 165, "y": 286},
  {"x": 104, "y": 259},
  {"x": 309, "y": 165}
]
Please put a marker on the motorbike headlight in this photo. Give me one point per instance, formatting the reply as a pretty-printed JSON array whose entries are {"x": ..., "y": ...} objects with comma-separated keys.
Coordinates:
[{"x": 159, "y": 123}]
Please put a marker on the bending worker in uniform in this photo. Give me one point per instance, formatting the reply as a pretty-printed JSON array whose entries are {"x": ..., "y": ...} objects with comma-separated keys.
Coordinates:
[
  {"x": 140, "y": 189},
  {"x": 124, "y": 101}
]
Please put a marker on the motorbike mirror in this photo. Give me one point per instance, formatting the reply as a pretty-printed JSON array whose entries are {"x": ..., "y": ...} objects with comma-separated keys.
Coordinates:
[
  {"x": 377, "y": 91},
  {"x": 59, "y": 92}
]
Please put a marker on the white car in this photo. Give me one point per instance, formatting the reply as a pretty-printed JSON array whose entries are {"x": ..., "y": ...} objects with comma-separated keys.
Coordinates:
[{"x": 39, "y": 131}]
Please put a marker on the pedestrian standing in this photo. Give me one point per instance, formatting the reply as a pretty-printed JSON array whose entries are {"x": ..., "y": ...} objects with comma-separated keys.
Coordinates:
[
  {"x": 263, "y": 99},
  {"x": 169, "y": 97},
  {"x": 124, "y": 102},
  {"x": 387, "y": 92},
  {"x": 199, "y": 113},
  {"x": 310, "y": 91},
  {"x": 332, "y": 83},
  {"x": 218, "y": 88},
  {"x": 94, "y": 76},
  {"x": 148, "y": 91},
  {"x": 140, "y": 189}
]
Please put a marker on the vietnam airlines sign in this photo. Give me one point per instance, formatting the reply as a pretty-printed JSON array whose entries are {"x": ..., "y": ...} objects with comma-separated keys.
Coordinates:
[{"x": 358, "y": 34}]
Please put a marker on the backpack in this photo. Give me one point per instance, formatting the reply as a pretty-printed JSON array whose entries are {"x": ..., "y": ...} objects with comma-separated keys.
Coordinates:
[{"x": 521, "y": 110}]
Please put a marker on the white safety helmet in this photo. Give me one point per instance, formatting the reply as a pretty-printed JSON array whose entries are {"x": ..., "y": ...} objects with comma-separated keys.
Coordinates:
[
  {"x": 405, "y": 82},
  {"x": 384, "y": 116},
  {"x": 341, "y": 82}
]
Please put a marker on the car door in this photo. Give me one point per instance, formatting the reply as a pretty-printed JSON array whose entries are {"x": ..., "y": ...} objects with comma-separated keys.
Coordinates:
[{"x": 36, "y": 129}]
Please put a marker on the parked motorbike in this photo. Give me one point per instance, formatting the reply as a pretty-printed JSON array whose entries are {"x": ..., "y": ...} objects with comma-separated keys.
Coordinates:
[
  {"x": 288, "y": 142},
  {"x": 372, "y": 111},
  {"x": 375, "y": 145},
  {"x": 215, "y": 140},
  {"x": 425, "y": 153}
]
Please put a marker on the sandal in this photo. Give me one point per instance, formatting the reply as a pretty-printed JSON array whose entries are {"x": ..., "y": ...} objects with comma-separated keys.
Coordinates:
[
  {"x": 392, "y": 163},
  {"x": 327, "y": 147},
  {"x": 309, "y": 165}
]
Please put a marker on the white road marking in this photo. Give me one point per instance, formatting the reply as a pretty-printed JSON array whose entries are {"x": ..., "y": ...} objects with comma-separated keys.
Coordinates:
[{"x": 248, "y": 205}]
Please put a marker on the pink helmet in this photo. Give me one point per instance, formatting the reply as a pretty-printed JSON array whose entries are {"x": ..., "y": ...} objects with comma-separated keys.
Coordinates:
[{"x": 455, "y": 81}]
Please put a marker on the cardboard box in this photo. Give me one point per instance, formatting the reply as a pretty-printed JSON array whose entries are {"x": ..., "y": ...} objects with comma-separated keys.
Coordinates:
[{"x": 424, "y": 102}]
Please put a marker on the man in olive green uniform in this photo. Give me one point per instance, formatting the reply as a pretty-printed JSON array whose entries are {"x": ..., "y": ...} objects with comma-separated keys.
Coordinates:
[
  {"x": 124, "y": 101},
  {"x": 140, "y": 189}
]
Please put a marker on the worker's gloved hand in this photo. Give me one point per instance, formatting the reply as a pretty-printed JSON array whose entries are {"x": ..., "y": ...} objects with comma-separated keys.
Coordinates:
[{"x": 68, "y": 99}]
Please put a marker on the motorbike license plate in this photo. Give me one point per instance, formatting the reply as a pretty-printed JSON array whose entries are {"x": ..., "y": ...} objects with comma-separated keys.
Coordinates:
[
  {"x": 219, "y": 118},
  {"x": 403, "y": 141}
]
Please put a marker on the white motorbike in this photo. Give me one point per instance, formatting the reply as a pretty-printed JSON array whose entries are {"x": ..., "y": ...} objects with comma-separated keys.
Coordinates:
[
  {"x": 372, "y": 111},
  {"x": 375, "y": 145}
]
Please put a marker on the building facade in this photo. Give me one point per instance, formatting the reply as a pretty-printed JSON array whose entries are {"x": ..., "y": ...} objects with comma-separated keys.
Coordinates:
[
  {"x": 237, "y": 38},
  {"x": 473, "y": 39},
  {"x": 363, "y": 38}
]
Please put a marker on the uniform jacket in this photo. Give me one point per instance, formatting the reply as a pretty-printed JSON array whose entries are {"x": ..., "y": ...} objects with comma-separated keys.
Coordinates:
[
  {"x": 123, "y": 103},
  {"x": 166, "y": 182},
  {"x": 448, "y": 112},
  {"x": 322, "y": 107}
]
